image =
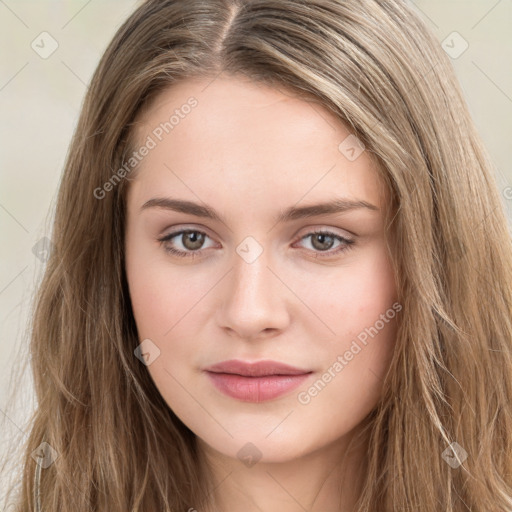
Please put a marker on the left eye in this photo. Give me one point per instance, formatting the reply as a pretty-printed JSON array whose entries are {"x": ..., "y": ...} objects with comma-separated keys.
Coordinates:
[
  {"x": 321, "y": 238},
  {"x": 192, "y": 240}
]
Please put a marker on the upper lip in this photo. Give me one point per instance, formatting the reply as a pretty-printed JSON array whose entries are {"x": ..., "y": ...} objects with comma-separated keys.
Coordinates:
[{"x": 257, "y": 369}]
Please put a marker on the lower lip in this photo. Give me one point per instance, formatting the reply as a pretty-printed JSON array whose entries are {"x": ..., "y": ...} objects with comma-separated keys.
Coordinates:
[{"x": 256, "y": 389}]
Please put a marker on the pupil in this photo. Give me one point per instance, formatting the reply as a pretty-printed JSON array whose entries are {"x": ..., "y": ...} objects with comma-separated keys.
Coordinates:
[
  {"x": 322, "y": 237},
  {"x": 195, "y": 240}
]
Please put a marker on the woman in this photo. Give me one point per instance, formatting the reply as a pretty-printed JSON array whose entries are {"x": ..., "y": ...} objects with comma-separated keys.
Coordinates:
[{"x": 196, "y": 346}]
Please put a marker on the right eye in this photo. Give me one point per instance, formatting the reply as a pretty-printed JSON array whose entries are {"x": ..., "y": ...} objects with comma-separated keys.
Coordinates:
[{"x": 192, "y": 238}]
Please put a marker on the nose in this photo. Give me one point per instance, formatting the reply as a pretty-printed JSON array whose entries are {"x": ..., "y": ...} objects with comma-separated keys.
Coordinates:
[{"x": 254, "y": 300}]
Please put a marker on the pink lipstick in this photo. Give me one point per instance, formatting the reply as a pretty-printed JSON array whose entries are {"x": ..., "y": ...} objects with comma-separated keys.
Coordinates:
[{"x": 255, "y": 382}]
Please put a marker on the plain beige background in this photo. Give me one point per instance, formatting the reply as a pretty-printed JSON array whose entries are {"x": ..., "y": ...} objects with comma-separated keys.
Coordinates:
[{"x": 41, "y": 95}]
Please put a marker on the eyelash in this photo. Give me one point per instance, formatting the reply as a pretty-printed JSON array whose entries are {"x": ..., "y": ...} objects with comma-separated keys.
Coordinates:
[{"x": 193, "y": 254}]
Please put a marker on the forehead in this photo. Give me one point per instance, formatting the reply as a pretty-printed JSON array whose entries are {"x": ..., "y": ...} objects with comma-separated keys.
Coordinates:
[{"x": 250, "y": 138}]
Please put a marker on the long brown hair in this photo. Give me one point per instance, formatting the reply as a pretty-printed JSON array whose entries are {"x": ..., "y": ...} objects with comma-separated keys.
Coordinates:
[{"x": 448, "y": 393}]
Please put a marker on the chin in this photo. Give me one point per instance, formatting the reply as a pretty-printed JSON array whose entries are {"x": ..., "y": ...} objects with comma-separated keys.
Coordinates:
[{"x": 255, "y": 447}]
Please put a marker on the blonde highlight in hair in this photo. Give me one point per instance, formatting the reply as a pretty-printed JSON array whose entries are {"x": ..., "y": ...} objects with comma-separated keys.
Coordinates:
[{"x": 379, "y": 70}]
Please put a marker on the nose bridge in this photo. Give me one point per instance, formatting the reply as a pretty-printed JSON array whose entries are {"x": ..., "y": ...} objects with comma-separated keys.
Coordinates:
[
  {"x": 251, "y": 278},
  {"x": 253, "y": 301}
]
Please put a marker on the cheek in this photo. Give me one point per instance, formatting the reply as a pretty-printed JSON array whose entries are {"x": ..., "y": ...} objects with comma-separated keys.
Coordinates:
[
  {"x": 162, "y": 307},
  {"x": 357, "y": 296},
  {"x": 361, "y": 310},
  {"x": 168, "y": 308},
  {"x": 356, "y": 361},
  {"x": 161, "y": 294},
  {"x": 150, "y": 302}
]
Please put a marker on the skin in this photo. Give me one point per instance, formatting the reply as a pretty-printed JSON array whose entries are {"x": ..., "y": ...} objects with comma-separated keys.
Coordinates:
[{"x": 250, "y": 151}]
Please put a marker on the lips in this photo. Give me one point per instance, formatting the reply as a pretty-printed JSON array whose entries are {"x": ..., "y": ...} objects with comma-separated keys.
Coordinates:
[
  {"x": 255, "y": 382},
  {"x": 258, "y": 369}
]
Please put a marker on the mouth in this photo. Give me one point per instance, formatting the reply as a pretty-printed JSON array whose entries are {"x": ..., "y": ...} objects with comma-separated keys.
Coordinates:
[{"x": 255, "y": 382}]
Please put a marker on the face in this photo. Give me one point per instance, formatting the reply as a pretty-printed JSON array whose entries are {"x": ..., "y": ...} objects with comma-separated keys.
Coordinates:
[{"x": 227, "y": 259}]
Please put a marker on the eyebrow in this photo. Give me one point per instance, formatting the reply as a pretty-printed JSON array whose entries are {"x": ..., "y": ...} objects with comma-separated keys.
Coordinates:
[{"x": 336, "y": 205}]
